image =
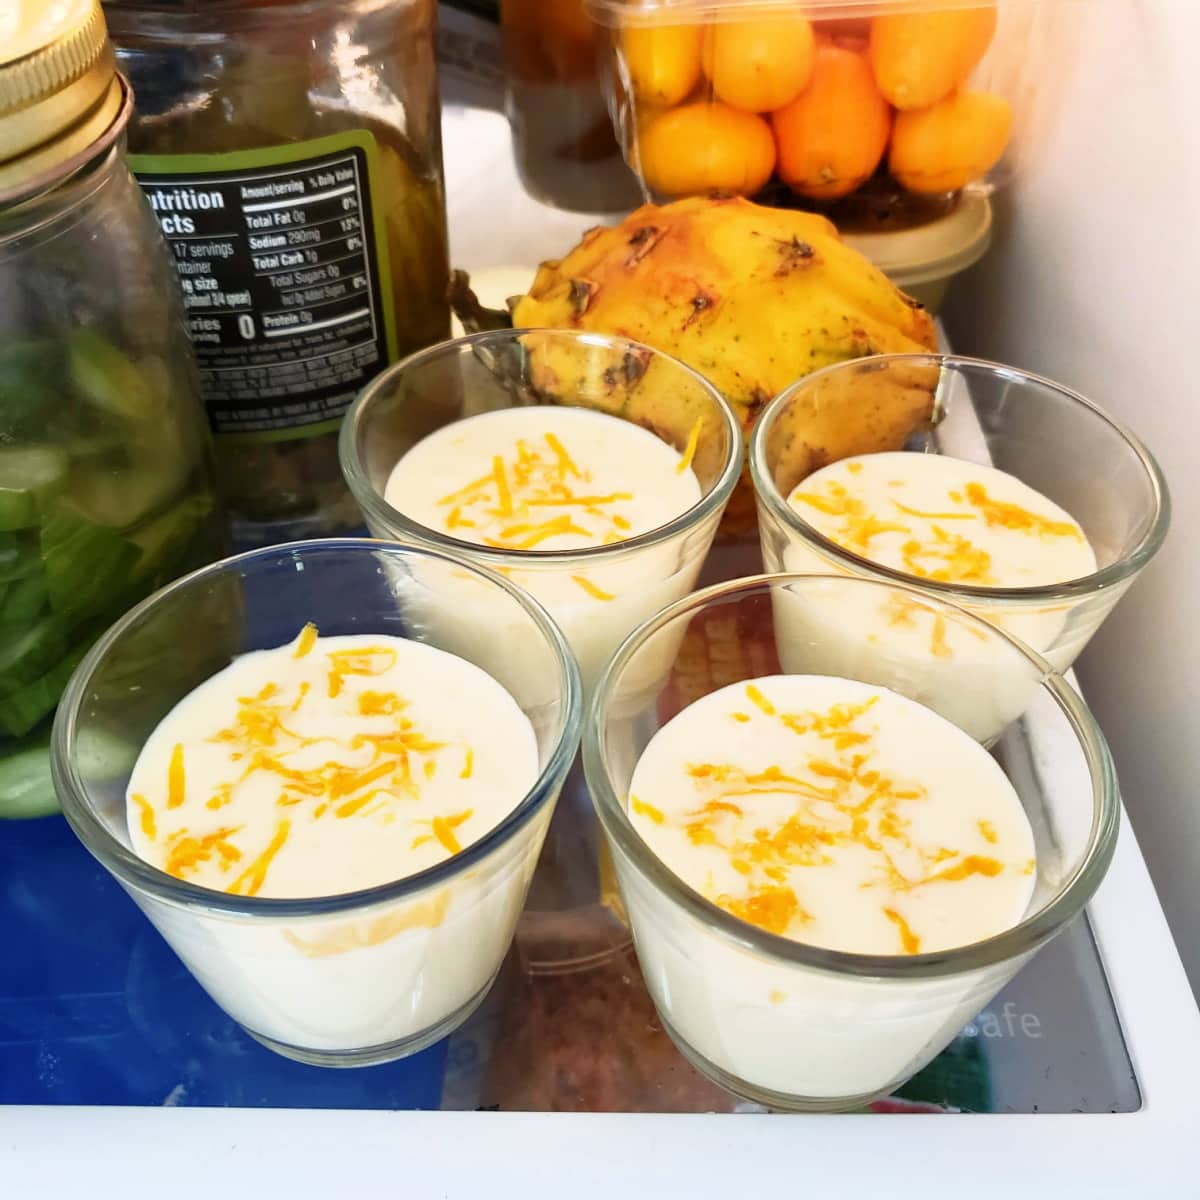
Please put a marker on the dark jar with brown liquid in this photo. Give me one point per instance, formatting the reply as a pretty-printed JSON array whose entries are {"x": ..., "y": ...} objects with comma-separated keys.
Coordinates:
[{"x": 566, "y": 151}]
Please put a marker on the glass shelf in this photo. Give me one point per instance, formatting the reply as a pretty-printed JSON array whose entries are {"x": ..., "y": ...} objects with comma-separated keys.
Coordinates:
[{"x": 96, "y": 1010}]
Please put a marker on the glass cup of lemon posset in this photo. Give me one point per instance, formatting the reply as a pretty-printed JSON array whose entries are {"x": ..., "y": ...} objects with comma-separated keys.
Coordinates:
[
  {"x": 331, "y": 815},
  {"x": 1020, "y": 501},
  {"x": 825, "y": 878},
  {"x": 591, "y": 471}
]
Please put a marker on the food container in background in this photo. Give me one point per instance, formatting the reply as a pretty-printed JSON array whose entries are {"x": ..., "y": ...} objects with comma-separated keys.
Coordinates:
[
  {"x": 885, "y": 115},
  {"x": 566, "y": 151},
  {"x": 291, "y": 151},
  {"x": 923, "y": 259},
  {"x": 105, "y": 471}
]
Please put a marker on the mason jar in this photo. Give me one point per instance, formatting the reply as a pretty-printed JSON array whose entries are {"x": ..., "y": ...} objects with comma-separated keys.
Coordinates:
[
  {"x": 105, "y": 473},
  {"x": 291, "y": 151}
]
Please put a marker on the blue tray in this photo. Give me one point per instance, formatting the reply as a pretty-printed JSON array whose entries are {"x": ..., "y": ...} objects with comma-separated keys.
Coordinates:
[{"x": 96, "y": 1009}]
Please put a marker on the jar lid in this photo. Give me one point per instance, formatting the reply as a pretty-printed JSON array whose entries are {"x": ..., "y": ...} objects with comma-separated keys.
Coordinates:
[
  {"x": 59, "y": 90},
  {"x": 933, "y": 251}
]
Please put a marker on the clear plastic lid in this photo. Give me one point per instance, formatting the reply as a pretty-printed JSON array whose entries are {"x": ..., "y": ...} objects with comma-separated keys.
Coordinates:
[{"x": 622, "y": 13}]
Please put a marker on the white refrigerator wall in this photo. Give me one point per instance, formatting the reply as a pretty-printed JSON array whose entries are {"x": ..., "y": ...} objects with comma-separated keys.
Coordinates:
[{"x": 1094, "y": 280}]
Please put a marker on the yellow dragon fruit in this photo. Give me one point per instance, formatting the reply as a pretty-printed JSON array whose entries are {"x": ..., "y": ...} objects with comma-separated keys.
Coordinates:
[{"x": 754, "y": 298}]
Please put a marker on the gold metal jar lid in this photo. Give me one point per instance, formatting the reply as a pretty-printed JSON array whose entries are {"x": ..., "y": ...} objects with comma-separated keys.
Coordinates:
[{"x": 59, "y": 90}]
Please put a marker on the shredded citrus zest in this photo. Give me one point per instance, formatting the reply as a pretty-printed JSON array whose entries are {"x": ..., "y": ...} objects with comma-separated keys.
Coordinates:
[
  {"x": 507, "y": 507},
  {"x": 988, "y": 831},
  {"x": 972, "y": 864},
  {"x": 468, "y": 764},
  {"x": 185, "y": 852},
  {"x": 354, "y": 935},
  {"x": 580, "y": 501},
  {"x": 689, "y": 451},
  {"x": 1013, "y": 516},
  {"x": 503, "y": 495},
  {"x": 908, "y": 939},
  {"x": 370, "y": 660},
  {"x": 770, "y": 908},
  {"x": 176, "y": 777},
  {"x": 592, "y": 590},
  {"x": 860, "y": 527},
  {"x": 444, "y": 827},
  {"x": 146, "y": 809},
  {"x": 566, "y": 464},
  {"x": 254, "y": 876},
  {"x": 222, "y": 796},
  {"x": 938, "y": 646},
  {"x": 367, "y": 786},
  {"x": 469, "y": 489},
  {"x": 940, "y": 556},
  {"x": 306, "y": 640},
  {"x": 841, "y": 800},
  {"x": 934, "y": 516},
  {"x": 379, "y": 704},
  {"x": 949, "y": 558},
  {"x": 646, "y": 810}
]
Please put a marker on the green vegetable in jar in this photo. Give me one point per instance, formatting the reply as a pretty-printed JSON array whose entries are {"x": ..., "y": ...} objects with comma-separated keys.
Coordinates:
[{"x": 98, "y": 507}]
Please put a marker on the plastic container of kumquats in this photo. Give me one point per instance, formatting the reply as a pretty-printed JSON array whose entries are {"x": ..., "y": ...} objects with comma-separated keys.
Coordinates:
[{"x": 888, "y": 116}]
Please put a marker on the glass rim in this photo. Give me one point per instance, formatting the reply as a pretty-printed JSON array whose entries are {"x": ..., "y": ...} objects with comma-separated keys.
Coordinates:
[
  {"x": 1115, "y": 573},
  {"x": 381, "y": 512},
  {"x": 1072, "y": 893},
  {"x": 130, "y": 869}
]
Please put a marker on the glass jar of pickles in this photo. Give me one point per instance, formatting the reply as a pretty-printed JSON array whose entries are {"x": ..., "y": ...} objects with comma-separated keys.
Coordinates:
[
  {"x": 291, "y": 151},
  {"x": 105, "y": 483}
]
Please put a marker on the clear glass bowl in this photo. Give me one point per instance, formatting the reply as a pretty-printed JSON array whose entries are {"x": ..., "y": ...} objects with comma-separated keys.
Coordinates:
[
  {"x": 342, "y": 980},
  {"x": 799, "y": 1027},
  {"x": 485, "y": 372},
  {"x": 1045, "y": 435},
  {"x": 569, "y": 920}
]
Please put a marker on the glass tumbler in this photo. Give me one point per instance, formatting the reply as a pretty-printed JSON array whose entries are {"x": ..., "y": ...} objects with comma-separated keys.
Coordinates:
[
  {"x": 800, "y": 1027},
  {"x": 344, "y": 980},
  {"x": 597, "y": 595},
  {"x": 485, "y": 372},
  {"x": 1043, "y": 434}
]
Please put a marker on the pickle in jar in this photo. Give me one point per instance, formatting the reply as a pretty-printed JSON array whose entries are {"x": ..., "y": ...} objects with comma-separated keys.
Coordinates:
[
  {"x": 98, "y": 505},
  {"x": 278, "y": 112}
]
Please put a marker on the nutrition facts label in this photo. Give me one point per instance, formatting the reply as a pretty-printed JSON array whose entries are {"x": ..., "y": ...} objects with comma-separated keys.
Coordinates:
[{"x": 284, "y": 278}]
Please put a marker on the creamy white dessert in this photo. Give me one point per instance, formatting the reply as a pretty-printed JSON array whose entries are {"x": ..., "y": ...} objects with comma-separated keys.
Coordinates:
[
  {"x": 327, "y": 766},
  {"x": 550, "y": 478},
  {"x": 935, "y": 519},
  {"x": 837, "y": 814}
]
